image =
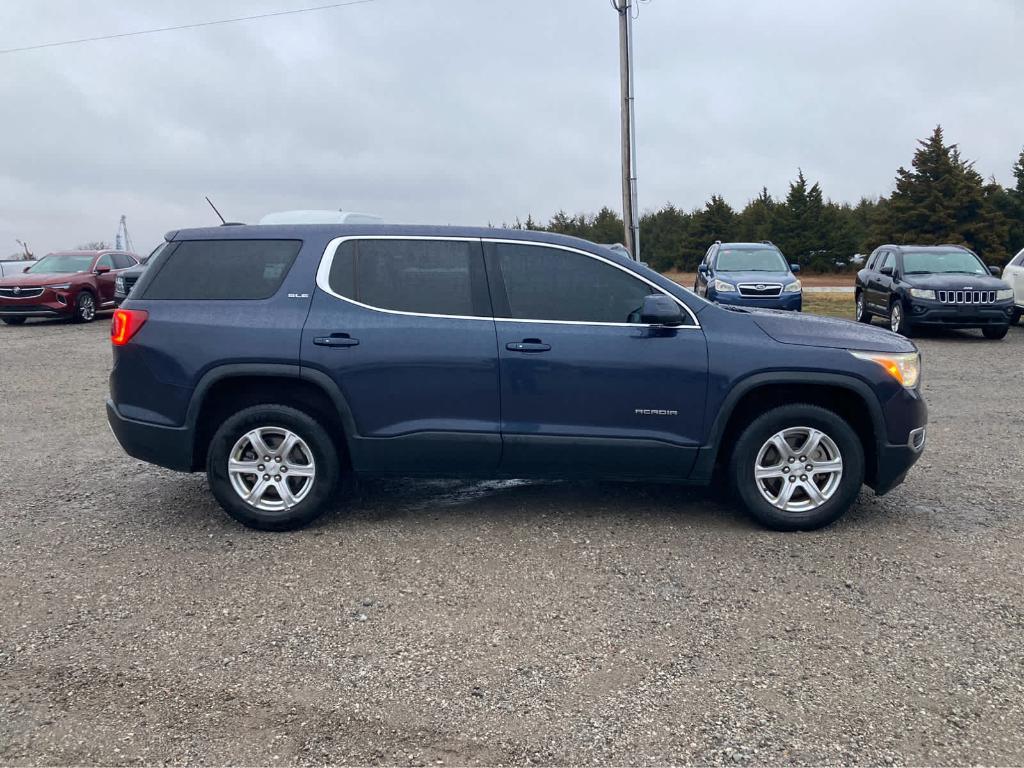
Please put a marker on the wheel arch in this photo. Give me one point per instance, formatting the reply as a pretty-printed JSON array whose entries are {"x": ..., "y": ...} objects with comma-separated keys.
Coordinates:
[
  {"x": 228, "y": 389},
  {"x": 848, "y": 397}
]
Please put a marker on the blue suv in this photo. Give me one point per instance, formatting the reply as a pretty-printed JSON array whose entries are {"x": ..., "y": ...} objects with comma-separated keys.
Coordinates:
[
  {"x": 749, "y": 275},
  {"x": 280, "y": 358}
]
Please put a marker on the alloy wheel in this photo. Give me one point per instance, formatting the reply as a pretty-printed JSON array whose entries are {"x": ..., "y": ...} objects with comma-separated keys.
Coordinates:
[
  {"x": 87, "y": 307},
  {"x": 798, "y": 469},
  {"x": 896, "y": 319},
  {"x": 271, "y": 469}
]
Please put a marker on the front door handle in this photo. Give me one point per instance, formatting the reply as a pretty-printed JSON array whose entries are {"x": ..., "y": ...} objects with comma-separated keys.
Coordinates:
[
  {"x": 336, "y": 340},
  {"x": 528, "y": 345}
]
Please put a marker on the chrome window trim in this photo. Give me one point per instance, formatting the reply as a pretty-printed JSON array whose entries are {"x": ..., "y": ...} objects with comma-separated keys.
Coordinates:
[{"x": 323, "y": 273}]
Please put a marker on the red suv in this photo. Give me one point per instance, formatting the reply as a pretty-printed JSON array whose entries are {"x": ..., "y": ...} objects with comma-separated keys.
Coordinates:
[{"x": 72, "y": 284}]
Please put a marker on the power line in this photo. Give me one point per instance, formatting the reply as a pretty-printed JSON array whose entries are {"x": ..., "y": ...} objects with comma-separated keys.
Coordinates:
[{"x": 186, "y": 26}]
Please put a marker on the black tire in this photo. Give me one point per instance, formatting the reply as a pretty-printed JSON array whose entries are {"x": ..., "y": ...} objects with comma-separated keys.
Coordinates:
[
  {"x": 1015, "y": 317},
  {"x": 898, "y": 322},
  {"x": 860, "y": 311},
  {"x": 13, "y": 320},
  {"x": 324, "y": 455},
  {"x": 995, "y": 333},
  {"x": 85, "y": 308},
  {"x": 747, "y": 448}
]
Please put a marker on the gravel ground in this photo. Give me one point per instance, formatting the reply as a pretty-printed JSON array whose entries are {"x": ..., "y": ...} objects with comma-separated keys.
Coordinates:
[{"x": 468, "y": 623}]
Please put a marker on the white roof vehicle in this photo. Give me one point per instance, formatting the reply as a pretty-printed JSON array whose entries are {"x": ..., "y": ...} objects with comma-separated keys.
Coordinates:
[
  {"x": 320, "y": 217},
  {"x": 1014, "y": 275}
]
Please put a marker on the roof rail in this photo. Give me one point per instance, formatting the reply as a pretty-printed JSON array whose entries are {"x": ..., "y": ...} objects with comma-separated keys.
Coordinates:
[
  {"x": 718, "y": 242},
  {"x": 767, "y": 242}
]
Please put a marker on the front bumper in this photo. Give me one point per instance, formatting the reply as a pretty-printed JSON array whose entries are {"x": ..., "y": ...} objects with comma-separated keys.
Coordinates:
[
  {"x": 933, "y": 313},
  {"x": 789, "y": 301},
  {"x": 894, "y": 461},
  {"x": 169, "y": 447},
  {"x": 49, "y": 303}
]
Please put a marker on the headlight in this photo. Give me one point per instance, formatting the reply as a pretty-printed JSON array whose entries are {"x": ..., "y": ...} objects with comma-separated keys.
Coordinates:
[
  {"x": 1004, "y": 295},
  {"x": 723, "y": 287},
  {"x": 61, "y": 287},
  {"x": 905, "y": 367},
  {"x": 793, "y": 287},
  {"x": 922, "y": 293}
]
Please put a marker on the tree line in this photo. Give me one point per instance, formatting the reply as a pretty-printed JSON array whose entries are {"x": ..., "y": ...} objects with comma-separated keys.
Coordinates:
[{"x": 940, "y": 199}]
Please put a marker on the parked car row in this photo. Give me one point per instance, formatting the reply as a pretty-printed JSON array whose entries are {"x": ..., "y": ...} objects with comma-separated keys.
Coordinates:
[
  {"x": 70, "y": 284},
  {"x": 940, "y": 286}
]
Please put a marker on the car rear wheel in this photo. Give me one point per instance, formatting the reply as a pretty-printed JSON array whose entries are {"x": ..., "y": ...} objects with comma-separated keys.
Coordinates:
[
  {"x": 85, "y": 308},
  {"x": 13, "y": 320},
  {"x": 272, "y": 467},
  {"x": 797, "y": 467},
  {"x": 995, "y": 333},
  {"x": 898, "y": 321},
  {"x": 862, "y": 314}
]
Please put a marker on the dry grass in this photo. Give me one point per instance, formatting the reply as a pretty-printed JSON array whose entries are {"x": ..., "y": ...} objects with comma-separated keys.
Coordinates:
[{"x": 829, "y": 304}]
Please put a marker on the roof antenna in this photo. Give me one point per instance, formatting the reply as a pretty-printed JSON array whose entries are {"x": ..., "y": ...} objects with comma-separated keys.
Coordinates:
[{"x": 222, "y": 221}]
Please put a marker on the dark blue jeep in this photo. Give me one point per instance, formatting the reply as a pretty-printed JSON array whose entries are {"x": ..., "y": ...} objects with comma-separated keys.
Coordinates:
[{"x": 280, "y": 357}]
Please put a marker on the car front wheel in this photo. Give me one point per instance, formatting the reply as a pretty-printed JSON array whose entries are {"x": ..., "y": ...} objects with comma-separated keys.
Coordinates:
[
  {"x": 272, "y": 467},
  {"x": 797, "y": 467},
  {"x": 1015, "y": 317},
  {"x": 898, "y": 321},
  {"x": 995, "y": 333},
  {"x": 85, "y": 308}
]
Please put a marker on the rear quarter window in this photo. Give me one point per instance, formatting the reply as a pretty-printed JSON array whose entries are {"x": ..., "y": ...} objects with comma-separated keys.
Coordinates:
[{"x": 222, "y": 270}]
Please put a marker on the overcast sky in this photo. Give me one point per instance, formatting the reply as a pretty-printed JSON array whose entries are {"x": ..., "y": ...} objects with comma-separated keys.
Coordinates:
[{"x": 478, "y": 111}]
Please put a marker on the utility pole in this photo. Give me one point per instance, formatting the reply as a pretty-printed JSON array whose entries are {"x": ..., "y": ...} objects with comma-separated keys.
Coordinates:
[{"x": 630, "y": 210}]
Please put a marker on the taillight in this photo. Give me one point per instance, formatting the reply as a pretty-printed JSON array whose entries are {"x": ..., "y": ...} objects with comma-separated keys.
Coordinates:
[{"x": 126, "y": 324}]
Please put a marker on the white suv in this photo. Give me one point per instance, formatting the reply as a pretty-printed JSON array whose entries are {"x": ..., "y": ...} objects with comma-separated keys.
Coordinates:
[{"x": 1014, "y": 275}]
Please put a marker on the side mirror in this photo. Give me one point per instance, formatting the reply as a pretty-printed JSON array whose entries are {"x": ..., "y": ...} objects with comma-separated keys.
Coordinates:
[
  {"x": 996, "y": 271},
  {"x": 26, "y": 269},
  {"x": 886, "y": 271},
  {"x": 702, "y": 268},
  {"x": 102, "y": 270},
  {"x": 659, "y": 309},
  {"x": 794, "y": 268}
]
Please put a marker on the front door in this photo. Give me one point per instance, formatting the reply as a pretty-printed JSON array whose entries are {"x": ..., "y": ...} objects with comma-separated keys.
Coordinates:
[
  {"x": 404, "y": 328},
  {"x": 879, "y": 286},
  {"x": 586, "y": 389}
]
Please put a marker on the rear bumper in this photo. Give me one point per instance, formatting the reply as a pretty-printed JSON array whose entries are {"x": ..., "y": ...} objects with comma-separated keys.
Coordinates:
[
  {"x": 960, "y": 316},
  {"x": 789, "y": 301},
  {"x": 169, "y": 447}
]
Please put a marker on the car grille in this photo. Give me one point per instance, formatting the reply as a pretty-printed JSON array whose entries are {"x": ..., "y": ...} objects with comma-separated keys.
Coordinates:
[
  {"x": 22, "y": 293},
  {"x": 760, "y": 290},
  {"x": 966, "y": 297}
]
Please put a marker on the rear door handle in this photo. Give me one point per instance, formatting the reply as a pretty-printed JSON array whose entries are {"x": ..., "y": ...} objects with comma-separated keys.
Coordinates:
[
  {"x": 528, "y": 345},
  {"x": 336, "y": 340}
]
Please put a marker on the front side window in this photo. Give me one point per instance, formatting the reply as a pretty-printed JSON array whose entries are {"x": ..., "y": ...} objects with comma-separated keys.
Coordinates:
[
  {"x": 106, "y": 261},
  {"x": 1019, "y": 261},
  {"x": 222, "y": 270},
  {"x": 123, "y": 261},
  {"x": 751, "y": 260},
  {"x": 883, "y": 260},
  {"x": 541, "y": 283},
  {"x": 433, "y": 277},
  {"x": 61, "y": 264},
  {"x": 942, "y": 262}
]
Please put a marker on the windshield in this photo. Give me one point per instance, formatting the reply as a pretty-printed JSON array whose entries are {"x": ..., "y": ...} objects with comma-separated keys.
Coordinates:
[
  {"x": 61, "y": 263},
  {"x": 942, "y": 262},
  {"x": 751, "y": 260}
]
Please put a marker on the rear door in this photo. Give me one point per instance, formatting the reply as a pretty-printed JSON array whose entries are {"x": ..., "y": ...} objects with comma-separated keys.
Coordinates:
[
  {"x": 586, "y": 389},
  {"x": 403, "y": 326}
]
